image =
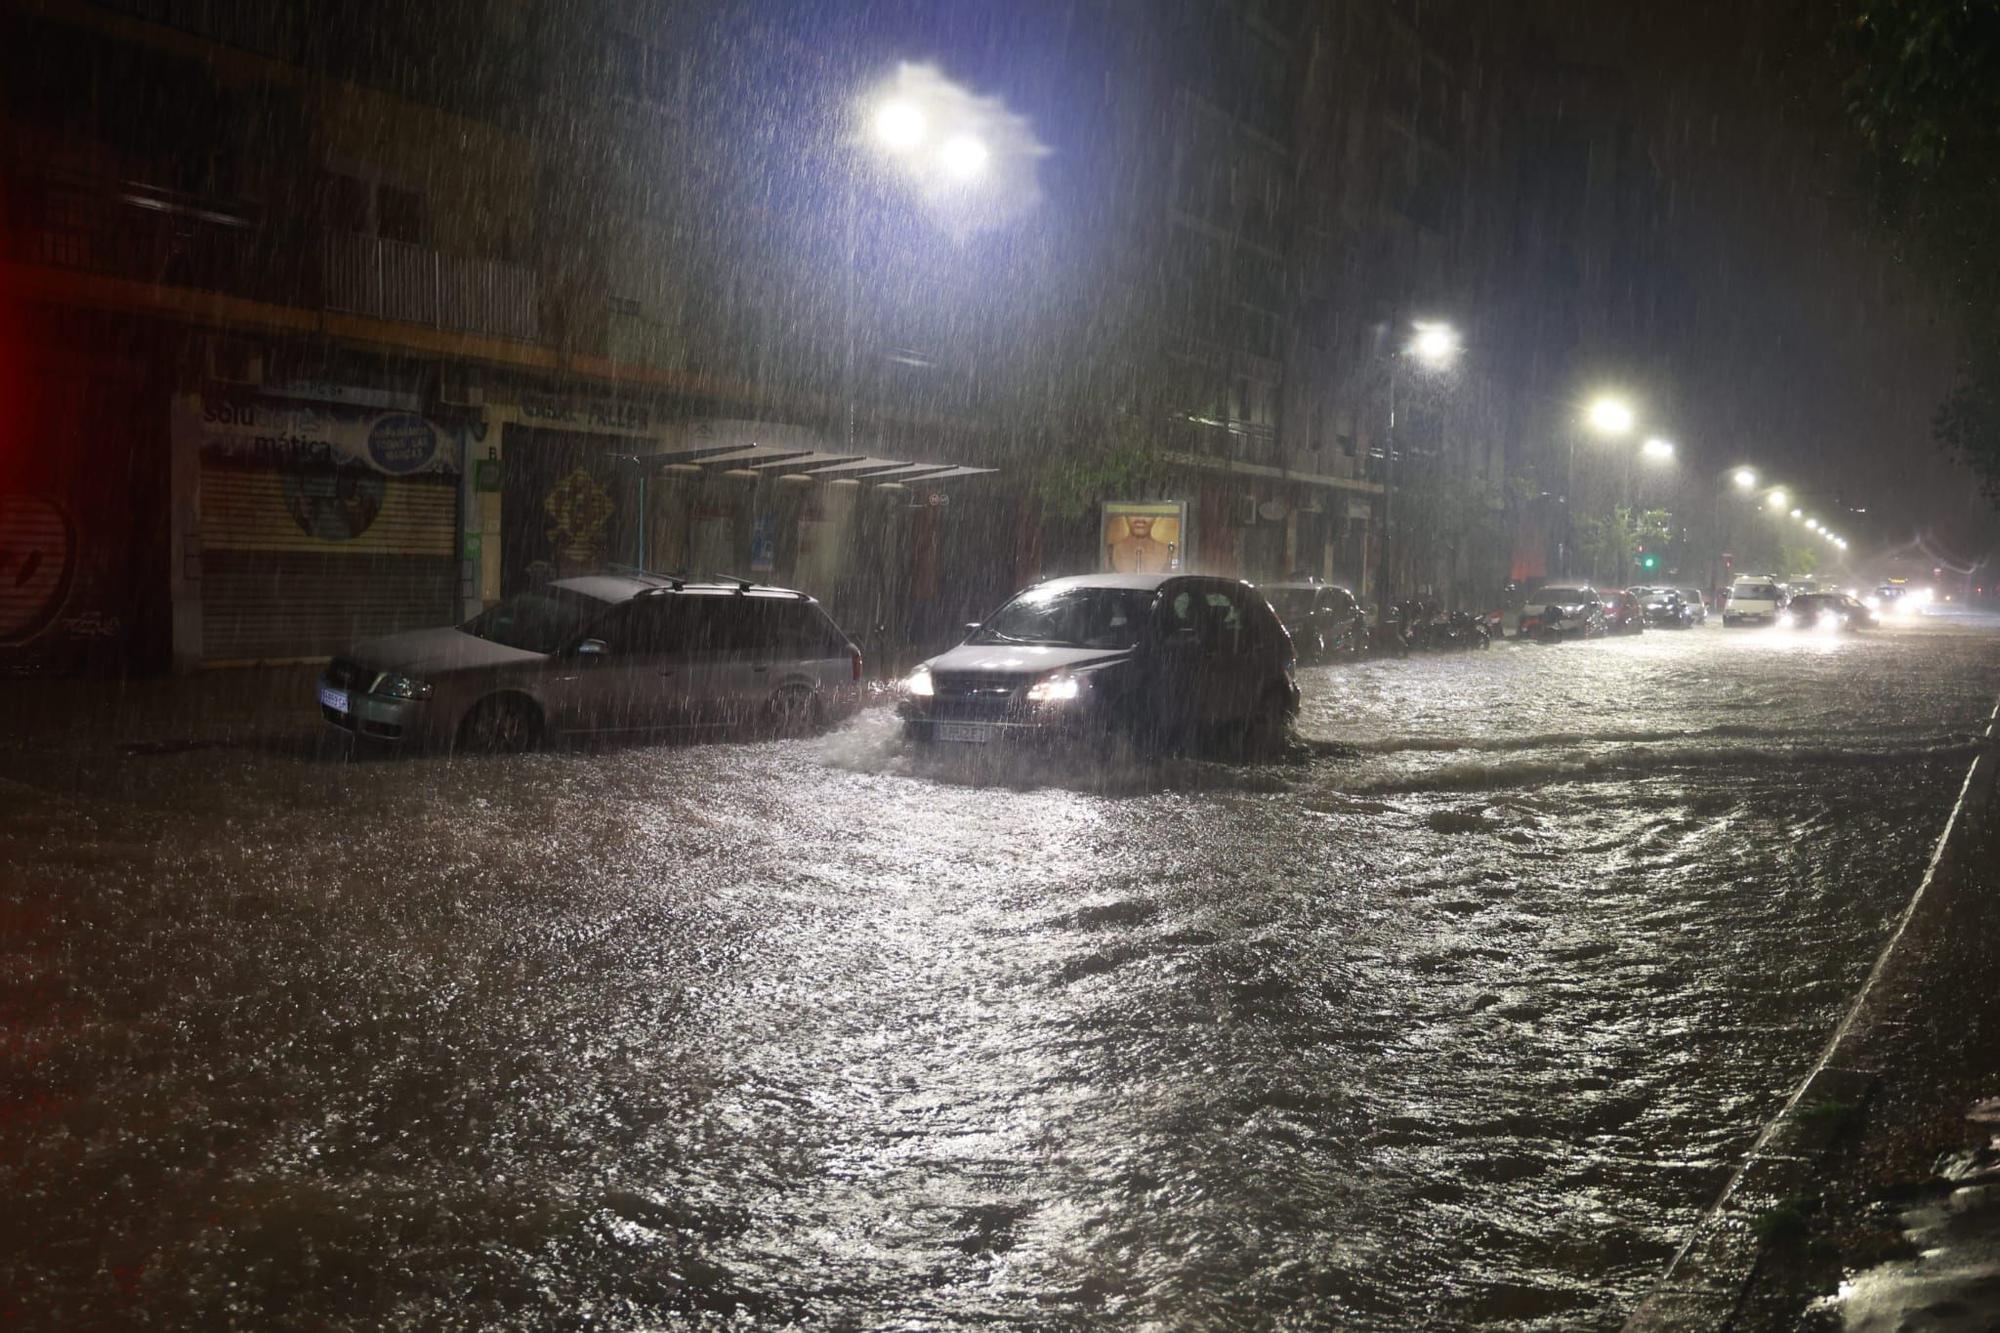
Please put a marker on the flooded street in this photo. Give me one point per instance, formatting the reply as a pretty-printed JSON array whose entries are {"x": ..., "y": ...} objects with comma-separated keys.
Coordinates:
[{"x": 1454, "y": 1019}]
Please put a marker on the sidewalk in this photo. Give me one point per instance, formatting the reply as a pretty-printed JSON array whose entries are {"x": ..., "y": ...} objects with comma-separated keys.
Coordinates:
[
  {"x": 1873, "y": 1200},
  {"x": 262, "y": 706}
]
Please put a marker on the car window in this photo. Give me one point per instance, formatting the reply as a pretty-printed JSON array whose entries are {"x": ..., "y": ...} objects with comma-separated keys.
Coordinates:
[
  {"x": 1219, "y": 622},
  {"x": 646, "y": 627},
  {"x": 538, "y": 622}
]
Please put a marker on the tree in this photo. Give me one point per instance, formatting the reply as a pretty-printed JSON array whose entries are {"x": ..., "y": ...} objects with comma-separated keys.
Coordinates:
[{"x": 1923, "y": 88}]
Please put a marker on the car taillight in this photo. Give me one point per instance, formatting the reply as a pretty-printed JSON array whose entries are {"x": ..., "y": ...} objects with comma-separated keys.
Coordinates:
[{"x": 854, "y": 654}]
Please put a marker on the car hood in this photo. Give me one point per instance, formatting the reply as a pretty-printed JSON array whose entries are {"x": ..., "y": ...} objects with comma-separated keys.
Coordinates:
[
  {"x": 1020, "y": 659},
  {"x": 436, "y": 652}
]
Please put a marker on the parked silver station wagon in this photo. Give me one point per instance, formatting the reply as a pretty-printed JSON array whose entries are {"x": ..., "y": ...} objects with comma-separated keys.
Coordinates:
[{"x": 600, "y": 653}]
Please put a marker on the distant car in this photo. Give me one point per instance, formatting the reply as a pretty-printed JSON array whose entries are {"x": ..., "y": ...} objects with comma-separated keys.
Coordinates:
[
  {"x": 1324, "y": 619},
  {"x": 1160, "y": 659},
  {"x": 1697, "y": 604},
  {"x": 1580, "y": 612},
  {"x": 1665, "y": 607},
  {"x": 1754, "y": 599},
  {"x": 1830, "y": 610},
  {"x": 1624, "y": 613},
  {"x": 600, "y": 653}
]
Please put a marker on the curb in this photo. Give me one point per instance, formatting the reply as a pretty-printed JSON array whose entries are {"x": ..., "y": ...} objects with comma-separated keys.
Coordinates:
[{"x": 1704, "y": 1284}]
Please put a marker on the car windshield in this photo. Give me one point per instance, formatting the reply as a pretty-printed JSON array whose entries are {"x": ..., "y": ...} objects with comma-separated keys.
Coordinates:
[
  {"x": 1556, "y": 593},
  {"x": 1759, "y": 590},
  {"x": 1071, "y": 617},
  {"x": 536, "y": 622}
]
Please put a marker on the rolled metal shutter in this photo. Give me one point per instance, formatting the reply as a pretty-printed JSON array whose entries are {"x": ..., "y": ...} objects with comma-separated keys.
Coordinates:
[{"x": 287, "y": 572}]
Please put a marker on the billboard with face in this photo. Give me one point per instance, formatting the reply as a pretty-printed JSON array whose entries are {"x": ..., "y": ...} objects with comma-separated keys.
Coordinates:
[{"x": 1143, "y": 537}]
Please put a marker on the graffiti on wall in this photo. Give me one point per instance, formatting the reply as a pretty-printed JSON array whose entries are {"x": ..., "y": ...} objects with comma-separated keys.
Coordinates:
[{"x": 38, "y": 557}]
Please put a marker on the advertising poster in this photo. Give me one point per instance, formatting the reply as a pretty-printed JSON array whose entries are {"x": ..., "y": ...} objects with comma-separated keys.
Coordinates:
[{"x": 1143, "y": 536}]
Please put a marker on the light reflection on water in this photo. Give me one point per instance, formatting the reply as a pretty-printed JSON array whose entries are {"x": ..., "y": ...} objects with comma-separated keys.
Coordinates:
[{"x": 1451, "y": 1018}]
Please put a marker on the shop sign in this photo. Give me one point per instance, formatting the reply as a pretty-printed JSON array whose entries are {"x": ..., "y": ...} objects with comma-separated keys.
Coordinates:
[
  {"x": 763, "y": 544},
  {"x": 288, "y": 432},
  {"x": 1142, "y": 537},
  {"x": 589, "y": 413}
]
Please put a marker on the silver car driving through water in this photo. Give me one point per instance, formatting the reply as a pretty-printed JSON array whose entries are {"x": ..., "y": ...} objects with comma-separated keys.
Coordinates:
[{"x": 600, "y": 653}]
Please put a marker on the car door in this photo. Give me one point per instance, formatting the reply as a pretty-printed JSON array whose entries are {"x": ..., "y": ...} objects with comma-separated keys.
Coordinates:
[
  {"x": 619, "y": 685},
  {"x": 1225, "y": 684}
]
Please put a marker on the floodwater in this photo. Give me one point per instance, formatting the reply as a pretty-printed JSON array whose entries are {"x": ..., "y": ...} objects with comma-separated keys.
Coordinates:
[{"x": 1454, "y": 1019}]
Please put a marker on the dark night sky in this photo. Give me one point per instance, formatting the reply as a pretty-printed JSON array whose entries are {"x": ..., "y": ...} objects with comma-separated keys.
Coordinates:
[{"x": 1812, "y": 350}]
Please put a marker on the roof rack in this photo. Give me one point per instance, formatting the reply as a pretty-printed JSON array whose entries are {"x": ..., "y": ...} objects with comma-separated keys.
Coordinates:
[{"x": 677, "y": 579}]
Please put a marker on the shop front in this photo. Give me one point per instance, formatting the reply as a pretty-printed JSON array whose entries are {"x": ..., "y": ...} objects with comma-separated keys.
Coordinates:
[{"x": 306, "y": 525}]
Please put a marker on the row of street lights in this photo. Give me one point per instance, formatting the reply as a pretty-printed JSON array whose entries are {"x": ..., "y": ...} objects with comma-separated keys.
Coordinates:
[{"x": 1779, "y": 501}]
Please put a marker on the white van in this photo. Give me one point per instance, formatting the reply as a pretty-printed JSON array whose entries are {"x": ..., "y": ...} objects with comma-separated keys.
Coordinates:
[{"x": 1757, "y": 597}]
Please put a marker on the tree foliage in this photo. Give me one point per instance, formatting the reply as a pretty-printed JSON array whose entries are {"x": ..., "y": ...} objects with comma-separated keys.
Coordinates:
[{"x": 1923, "y": 88}]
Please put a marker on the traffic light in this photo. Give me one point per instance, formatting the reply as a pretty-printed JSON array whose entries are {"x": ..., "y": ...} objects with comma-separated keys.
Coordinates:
[{"x": 1647, "y": 560}]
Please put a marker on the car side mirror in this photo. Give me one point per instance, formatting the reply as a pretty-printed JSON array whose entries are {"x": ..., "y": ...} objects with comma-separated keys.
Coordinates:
[
  {"x": 592, "y": 650},
  {"x": 974, "y": 626}
]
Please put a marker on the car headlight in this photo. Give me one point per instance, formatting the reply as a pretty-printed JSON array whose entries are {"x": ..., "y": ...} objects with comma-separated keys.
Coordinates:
[
  {"x": 1054, "y": 690},
  {"x": 1831, "y": 620},
  {"x": 918, "y": 685},
  {"x": 1784, "y": 619},
  {"x": 401, "y": 687}
]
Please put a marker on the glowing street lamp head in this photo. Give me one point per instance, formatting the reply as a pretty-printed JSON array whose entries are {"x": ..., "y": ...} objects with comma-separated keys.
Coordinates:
[
  {"x": 1779, "y": 500},
  {"x": 964, "y": 157},
  {"x": 1435, "y": 344},
  {"x": 900, "y": 125},
  {"x": 1798, "y": 513},
  {"x": 1658, "y": 450},
  {"x": 1744, "y": 478},
  {"x": 1610, "y": 416}
]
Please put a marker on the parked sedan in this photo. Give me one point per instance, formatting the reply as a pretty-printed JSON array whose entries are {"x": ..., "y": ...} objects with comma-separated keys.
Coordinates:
[
  {"x": 1161, "y": 659},
  {"x": 1624, "y": 613},
  {"x": 600, "y": 653},
  {"x": 1324, "y": 619},
  {"x": 1561, "y": 610},
  {"x": 1665, "y": 607}
]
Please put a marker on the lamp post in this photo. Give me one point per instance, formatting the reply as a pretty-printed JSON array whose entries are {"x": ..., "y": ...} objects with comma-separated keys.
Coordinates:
[
  {"x": 968, "y": 160},
  {"x": 1609, "y": 416},
  {"x": 1743, "y": 480},
  {"x": 1434, "y": 345}
]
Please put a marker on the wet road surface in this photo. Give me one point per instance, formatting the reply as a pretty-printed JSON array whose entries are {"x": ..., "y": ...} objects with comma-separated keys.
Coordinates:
[{"x": 1453, "y": 1019}]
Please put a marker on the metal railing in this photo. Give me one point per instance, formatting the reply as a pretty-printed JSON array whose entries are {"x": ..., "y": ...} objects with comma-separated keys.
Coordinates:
[{"x": 368, "y": 275}]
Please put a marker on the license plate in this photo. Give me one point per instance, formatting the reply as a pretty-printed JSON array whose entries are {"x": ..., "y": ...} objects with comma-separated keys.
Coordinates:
[
  {"x": 969, "y": 732},
  {"x": 332, "y": 698}
]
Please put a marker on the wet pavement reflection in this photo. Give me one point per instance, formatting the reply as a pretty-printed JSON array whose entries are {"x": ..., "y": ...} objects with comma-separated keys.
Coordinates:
[{"x": 1452, "y": 1017}]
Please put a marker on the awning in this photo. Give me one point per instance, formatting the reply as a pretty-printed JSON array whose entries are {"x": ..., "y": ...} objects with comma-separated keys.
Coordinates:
[{"x": 809, "y": 461}]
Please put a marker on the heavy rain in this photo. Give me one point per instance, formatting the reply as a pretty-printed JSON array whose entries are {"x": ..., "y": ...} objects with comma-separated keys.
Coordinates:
[{"x": 1044, "y": 664}]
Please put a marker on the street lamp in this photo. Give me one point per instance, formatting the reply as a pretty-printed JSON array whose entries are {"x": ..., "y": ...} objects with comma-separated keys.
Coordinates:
[
  {"x": 967, "y": 158},
  {"x": 1435, "y": 345},
  {"x": 1611, "y": 416},
  {"x": 1657, "y": 450},
  {"x": 1745, "y": 478},
  {"x": 900, "y": 125},
  {"x": 1778, "y": 499}
]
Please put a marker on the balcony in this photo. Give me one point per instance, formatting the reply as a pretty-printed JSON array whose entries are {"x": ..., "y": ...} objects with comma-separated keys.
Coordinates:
[
  {"x": 414, "y": 284},
  {"x": 124, "y": 229}
]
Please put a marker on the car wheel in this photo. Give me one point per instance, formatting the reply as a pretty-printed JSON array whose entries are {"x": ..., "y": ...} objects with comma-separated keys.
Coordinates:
[
  {"x": 793, "y": 712},
  {"x": 499, "y": 726}
]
